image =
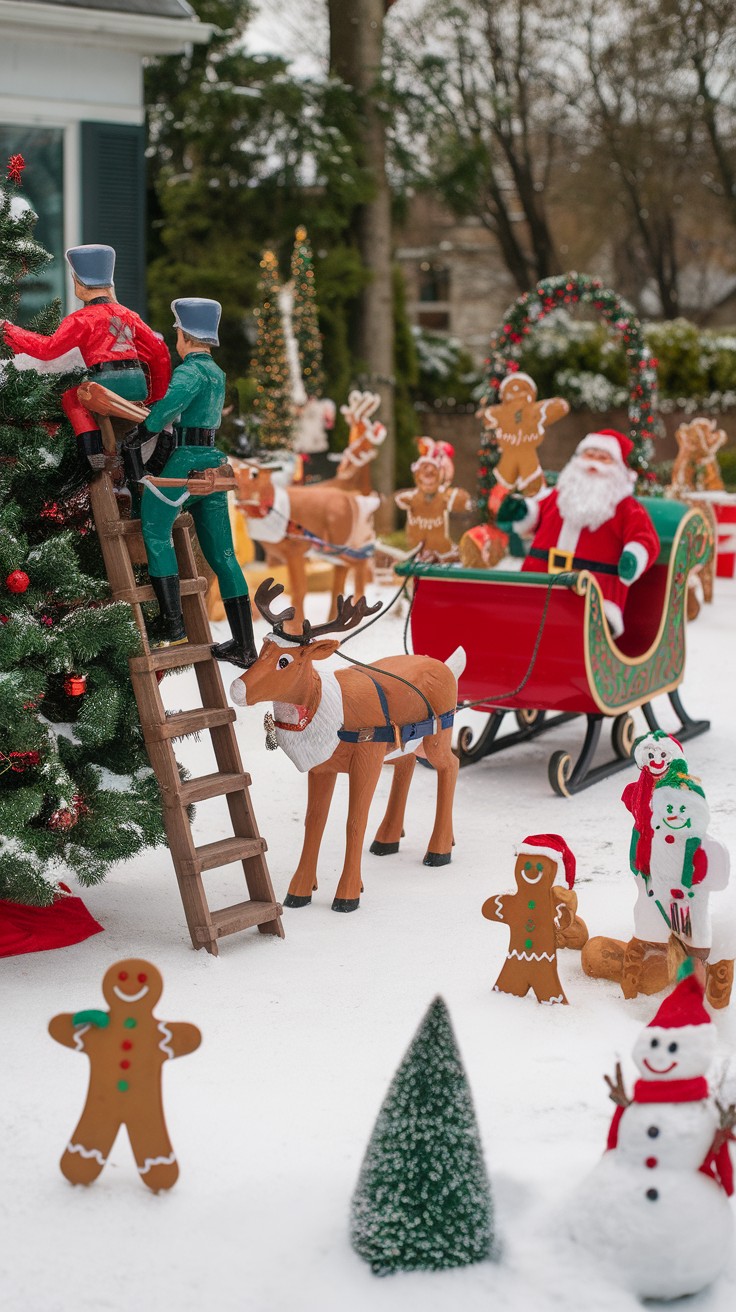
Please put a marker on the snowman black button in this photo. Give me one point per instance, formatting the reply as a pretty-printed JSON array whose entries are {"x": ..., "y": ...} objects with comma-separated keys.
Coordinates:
[
  {"x": 653, "y": 1131},
  {"x": 652, "y": 1195}
]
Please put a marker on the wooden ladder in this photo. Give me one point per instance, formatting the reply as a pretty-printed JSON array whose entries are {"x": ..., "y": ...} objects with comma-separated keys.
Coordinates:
[{"x": 121, "y": 541}]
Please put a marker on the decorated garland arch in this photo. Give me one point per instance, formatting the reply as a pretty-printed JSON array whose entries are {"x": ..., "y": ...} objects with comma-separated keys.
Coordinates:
[{"x": 526, "y": 312}]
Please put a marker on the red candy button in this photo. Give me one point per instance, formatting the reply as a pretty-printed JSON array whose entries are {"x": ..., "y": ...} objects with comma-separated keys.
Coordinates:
[
  {"x": 651, "y": 1161},
  {"x": 126, "y": 1045},
  {"x": 124, "y": 1065}
]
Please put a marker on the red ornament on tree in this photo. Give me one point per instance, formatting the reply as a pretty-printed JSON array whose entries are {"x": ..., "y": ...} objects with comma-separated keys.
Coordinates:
[
  {"x": 62, "y": 820},
  {"x": 75, "y": 685},
  {"x": 16, "y": 165},
  {"x": 17, "y": 581}
]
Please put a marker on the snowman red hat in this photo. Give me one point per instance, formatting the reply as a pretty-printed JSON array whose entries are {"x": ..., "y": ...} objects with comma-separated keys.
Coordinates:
[
  {"x": 616, "y": 444},
  {"x": 554, "y": 847},
  {"x": 683, "y": 1006}
]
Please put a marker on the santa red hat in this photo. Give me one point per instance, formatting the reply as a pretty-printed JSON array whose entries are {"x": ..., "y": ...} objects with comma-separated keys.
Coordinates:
[
  {"x": 684, "y": 1005},
  {"x": 552, "y": 846},
  {"x": 616, "y": 444}
]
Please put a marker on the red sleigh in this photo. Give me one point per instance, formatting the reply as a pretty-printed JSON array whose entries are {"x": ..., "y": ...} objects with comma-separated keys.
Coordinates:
[{"x": 540, "y": 643}]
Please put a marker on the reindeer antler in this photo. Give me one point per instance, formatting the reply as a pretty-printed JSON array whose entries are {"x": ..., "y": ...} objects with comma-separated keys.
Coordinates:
[
  {"x": 266, "y": 594},
  {"x": 349, "y": 614}
]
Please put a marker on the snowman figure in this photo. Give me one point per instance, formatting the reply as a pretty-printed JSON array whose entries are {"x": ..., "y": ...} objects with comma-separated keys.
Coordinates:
[
  {"x": 653, "y": 753},
  {"x": 685, "y": 866},
  {"x": 655, "y": 1209}
]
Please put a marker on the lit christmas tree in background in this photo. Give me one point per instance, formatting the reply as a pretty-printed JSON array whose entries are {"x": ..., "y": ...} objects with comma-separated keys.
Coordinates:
[
  {"x": 272, "y": 402},
  {"x": 423, "y": 1201},
  {"x": 304, "y": 315},
  {"x": 76, "y": 790}
]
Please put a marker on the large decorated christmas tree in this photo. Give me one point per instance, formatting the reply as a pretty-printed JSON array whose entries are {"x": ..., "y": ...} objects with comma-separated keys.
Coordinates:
[
  {"x": 272, "y": 402},
  {"x": 423, "y": 1201},
  {"x": 76, "y": 790},
  {"x": 304, "y": 315}
]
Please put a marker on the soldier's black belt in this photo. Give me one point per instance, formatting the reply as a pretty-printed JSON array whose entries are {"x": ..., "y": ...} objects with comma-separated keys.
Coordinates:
[
  {"x": 194, "y": 436},
  {"x": 110, "y": 366},
  {"x": 560, "y": 561}
]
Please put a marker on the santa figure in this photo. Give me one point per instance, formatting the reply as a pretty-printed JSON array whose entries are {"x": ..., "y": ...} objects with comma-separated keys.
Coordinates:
[
  {"x": 590, "y": 521},
  {"x": 655, "y": 1210}
]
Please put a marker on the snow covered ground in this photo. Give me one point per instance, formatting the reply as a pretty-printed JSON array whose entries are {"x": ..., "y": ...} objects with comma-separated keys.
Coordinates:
[{"x": 271, "y": 1116}]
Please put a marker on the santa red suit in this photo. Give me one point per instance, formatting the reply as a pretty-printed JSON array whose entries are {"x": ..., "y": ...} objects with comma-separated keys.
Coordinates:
[
  {"x": 106, "y": 334},
  {"x": 614, "y": 538}
]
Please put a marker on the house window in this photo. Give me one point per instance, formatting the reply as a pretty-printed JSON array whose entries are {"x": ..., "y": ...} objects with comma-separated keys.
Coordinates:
[
  {"x": 434, "y": 282},
  {"x": 42, "y": 188}
]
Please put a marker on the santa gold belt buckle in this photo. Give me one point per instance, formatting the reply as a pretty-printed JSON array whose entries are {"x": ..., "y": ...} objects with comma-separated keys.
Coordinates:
[{"x": 558, "y": 562}]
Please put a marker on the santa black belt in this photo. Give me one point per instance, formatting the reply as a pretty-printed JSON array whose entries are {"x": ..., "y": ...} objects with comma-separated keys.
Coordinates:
[
  {"x": 393, "y": 733},
  {"x": 194, "y": 436},
  {"x": 558, "y": 561}
]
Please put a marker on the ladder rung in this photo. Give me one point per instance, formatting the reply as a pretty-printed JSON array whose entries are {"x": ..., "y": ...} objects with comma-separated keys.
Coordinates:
[
  {"x": 127, "y": 528},
  {"x": 146, "y": 593},
  {"x": 229, "y": 920},
  {"x": 211, "y": 785},
  {"x": 185, "y": 722},
  {"x": 223, "y": 853},
  {"x": 171, "y": 658}
]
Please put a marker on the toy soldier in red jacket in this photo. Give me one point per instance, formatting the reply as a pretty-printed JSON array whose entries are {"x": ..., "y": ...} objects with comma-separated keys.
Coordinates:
[{"x": 113, "y": 341}]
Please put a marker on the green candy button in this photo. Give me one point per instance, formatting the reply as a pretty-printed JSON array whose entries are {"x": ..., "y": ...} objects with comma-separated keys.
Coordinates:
[
  {"x": 527, "y": 943},
  {"x": 122, "y": 1085},
  {"x": 129, "y": 1023},
  {"x": 531, "y": 905}
]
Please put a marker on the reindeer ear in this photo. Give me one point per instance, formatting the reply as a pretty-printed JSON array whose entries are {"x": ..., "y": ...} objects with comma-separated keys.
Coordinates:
[{"x": 319, "y": 651}]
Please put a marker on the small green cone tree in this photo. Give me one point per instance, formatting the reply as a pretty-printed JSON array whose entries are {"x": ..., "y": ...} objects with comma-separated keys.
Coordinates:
[
  {"x": 304, "y": 316},
  {"x": 272, "y": 402},
  {"x": 423, "y": 1200},
  {"x": 76, "y": 790}
]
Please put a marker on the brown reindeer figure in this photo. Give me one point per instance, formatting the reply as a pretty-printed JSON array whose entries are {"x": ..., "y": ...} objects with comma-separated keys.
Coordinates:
[
  {"x": 350, "y": 722},
  {"x": 364, "y": 439},
  {"x": 695, "y": 468},
  {"x": 293, "y": 521}
]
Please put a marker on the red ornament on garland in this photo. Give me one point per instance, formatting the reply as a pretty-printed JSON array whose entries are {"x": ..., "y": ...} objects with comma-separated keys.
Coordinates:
[
  {"x": 75, "y": 685},
  {"x": 16, "y": 165},
  {"x": 62, "y": 820},
  {"x": 17, "y": 581}
]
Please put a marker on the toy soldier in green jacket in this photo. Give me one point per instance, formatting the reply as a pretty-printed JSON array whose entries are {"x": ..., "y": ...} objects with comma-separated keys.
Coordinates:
[{"x": 194, "y": 399}]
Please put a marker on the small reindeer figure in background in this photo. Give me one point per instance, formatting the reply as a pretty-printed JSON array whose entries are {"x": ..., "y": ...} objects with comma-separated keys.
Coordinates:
[
  {"x": 351, "y": 722},
  {"x": 365, "y": 437},
  {"x": 292, "y": 521}
]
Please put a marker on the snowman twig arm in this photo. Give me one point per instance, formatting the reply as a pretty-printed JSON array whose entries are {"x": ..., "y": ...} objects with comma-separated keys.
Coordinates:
[
  {"x": 727, "y": 1121},
  {"x": 616, "y": 1091}
]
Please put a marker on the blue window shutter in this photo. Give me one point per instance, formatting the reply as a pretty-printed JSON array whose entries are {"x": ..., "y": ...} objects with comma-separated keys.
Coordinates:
[{"x": 114, "y": 200}]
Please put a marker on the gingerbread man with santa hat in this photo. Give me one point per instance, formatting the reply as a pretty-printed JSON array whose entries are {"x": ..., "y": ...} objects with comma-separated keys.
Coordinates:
[
  {"x": 430, "y": 503},
  {"x": 590, "y": 521}
]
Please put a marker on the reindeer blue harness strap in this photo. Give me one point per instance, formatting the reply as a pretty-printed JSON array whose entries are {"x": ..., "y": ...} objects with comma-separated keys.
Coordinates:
[{"x": 392, "y": 733}]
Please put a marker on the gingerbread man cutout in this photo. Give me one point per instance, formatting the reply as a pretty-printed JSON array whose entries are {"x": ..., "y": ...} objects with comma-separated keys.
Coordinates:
[
  {"x": 541, "y": 917},
  {"x": 518, "y": 424},
  {"x": 429, "y": 506},
  {"x": 127, "y": 1047}
]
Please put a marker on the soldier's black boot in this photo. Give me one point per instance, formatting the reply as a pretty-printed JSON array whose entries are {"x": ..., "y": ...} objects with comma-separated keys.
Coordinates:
[
  {"x": 134, "y": 470},
  {"x": 90, "y": 448},
  {"x": 168, "y": 596},
  {"x": 241, "y": 649}
]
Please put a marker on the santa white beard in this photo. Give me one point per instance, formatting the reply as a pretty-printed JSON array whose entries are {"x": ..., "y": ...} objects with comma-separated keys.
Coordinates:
[{"x": 587, "y": 500}]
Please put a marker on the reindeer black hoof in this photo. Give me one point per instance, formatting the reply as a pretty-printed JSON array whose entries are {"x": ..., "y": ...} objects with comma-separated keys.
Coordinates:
[
  {"x": 291, "y": 900},
  {"x": 383, "y": 849},
  {"x": 346, "y": 904},
  {"x": 437, "y": 859}
]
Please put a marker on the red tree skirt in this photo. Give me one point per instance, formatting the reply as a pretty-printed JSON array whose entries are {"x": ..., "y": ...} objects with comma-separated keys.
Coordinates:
[{"x": 37, "y": 929}]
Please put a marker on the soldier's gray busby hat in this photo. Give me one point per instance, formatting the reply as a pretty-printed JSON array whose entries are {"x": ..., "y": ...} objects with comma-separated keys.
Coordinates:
[
  {"x": 198, "y": 317},
  {"x": 92, "y": 266}
]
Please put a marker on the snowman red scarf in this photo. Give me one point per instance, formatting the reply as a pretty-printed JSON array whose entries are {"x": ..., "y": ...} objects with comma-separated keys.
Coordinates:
[{"x": 717, "y": 1163}]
